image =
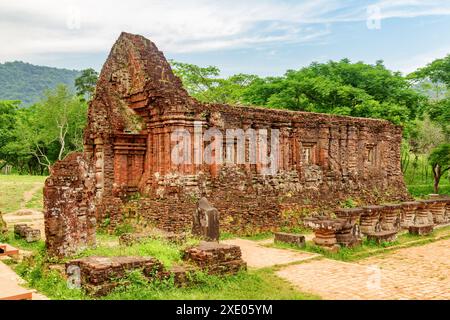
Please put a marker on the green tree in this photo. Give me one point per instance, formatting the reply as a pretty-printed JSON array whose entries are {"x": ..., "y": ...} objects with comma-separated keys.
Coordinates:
[
  {"x": 8, "y": 119},
  {"x": 196, "y": 80},
  {"x": 50, "y": 129},
  {"x": 437, "y": 71},
  {"x": 85, "y": 83},
  {"x": 354, "y": 89},
  {"x": 440, "y": 163}
]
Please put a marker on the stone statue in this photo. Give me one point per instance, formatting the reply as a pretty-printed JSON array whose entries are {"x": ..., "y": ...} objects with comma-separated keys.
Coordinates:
[{"x": 206, "y": 221}]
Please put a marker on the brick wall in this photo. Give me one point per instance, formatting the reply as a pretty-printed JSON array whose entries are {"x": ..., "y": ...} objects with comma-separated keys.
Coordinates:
[{"x": 139, "y": 103}]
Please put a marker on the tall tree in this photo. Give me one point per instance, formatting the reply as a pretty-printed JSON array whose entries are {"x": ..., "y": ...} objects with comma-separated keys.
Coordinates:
[
  {"x": 85, "y": 83},
  {"x": 440, "y": 163},
  {"x": 8, "y": 119},
  {"x": 50, "y": 129}
]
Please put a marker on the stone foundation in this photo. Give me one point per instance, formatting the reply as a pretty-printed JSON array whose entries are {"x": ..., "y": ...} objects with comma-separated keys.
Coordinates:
[
  {"x": 382, "y": 236},
  {"x": 100, "y": 275},
  {"x": 421, "y": 230},
  {"x": 291, "y": 238},
  {"x": 216, "y": 258}
]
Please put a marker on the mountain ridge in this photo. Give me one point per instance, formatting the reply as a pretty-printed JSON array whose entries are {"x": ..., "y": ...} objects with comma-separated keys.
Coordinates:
[{"x": 27, "y": 82}]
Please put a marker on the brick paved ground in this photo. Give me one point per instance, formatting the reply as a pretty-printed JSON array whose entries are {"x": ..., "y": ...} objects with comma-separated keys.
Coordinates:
[
  {"x": 411, "y": 273},
  {"x": 258, "y": 256}
]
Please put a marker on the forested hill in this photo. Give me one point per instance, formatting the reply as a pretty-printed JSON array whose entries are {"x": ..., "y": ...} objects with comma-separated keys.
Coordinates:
[{"x": 27, "y": 83}]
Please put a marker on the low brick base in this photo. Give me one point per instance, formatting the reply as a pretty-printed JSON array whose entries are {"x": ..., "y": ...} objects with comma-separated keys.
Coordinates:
[
  {"x": 382, "y": 236},
  {"x": 216, "y": 258},
  {"x": 421, "y": 230},
  {"x": 100, "y": 275},
  {"x": 291, "y": 238}
]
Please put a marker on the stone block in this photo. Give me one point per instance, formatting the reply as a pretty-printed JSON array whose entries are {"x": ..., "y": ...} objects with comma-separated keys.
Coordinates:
[
  {"x": 291, "y": 238},
  {"x": 382, "y": 236},
  {"x": 216, "y": 258},
  {"x": 349, "y": 235},
  {"x": 370, "y": 219},
  {"x": 206, "y": 221},
  {"x": 408, "y": 213},
  {"x": 100, "y": 275},
  {"x": 421, "y": 230}
]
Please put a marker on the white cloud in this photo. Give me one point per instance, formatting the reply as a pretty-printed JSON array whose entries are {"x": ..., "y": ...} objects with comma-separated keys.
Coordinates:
[
  {"x": 32, "y": 27},
  {"x": 410, "y": 64}
]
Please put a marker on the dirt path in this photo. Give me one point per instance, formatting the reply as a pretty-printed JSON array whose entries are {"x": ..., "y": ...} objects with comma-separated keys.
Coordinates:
[
  {"x": 28, "y": 195},
  {"x": 34, "y": 218}
]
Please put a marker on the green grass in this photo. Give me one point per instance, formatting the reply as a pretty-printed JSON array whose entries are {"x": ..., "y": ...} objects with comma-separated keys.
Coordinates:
[
  {"x": 260, "y": 284},
  {"x": 369, "y": 248},
  {"x": 167, "y": 253},
  {"x": 12, "y": 188},
  {"x": 253, "y": 284},
  {"x": 419, "y": 179},
  {"x": 36, "y": 201}
]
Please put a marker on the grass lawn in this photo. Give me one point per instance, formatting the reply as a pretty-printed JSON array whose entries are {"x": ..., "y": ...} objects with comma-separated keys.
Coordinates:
[
  {"x": 12, "y": 189},
  {"x": 419, "y": 179},
  {"x": 252, "y": 284}
]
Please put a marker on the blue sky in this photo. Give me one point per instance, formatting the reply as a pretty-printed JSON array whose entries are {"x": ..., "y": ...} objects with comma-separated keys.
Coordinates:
[{"x": 261, "y": 37}]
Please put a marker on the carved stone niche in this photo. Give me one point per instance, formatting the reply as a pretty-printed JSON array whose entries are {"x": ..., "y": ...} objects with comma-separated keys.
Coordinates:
[{"x": 206, "y": 221}]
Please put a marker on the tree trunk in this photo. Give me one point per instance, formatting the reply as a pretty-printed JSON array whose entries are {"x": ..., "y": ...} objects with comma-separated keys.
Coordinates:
[{"x": 437, "y": 178}]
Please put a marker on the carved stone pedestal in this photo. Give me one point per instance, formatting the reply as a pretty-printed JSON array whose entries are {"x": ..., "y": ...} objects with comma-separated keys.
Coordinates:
[
  {"x": 370, "y": 219},
  {"x": 349, "y": 235},
  {"x": 216, "y": 258},
  {"x": 325, "y": 232},
  {"x": 382, "y": 236},
  {"x": 437, "y": 209},
  {"x": 390, "y": 217},
  {"x": 424, "y": 216},
  {"x": 408, "y": 214},
  {"x": 421, "y": 230}
]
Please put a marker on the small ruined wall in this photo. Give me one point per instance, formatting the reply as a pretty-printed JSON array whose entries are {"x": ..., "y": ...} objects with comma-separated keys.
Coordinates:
[{"x": 69, "y": 206}]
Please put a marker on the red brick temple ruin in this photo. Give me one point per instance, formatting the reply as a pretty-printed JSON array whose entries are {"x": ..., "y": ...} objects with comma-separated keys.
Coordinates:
[{"x": 127, "y": 166}]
